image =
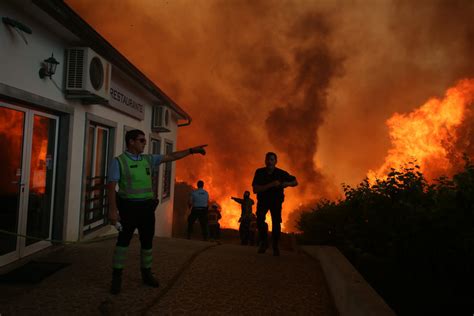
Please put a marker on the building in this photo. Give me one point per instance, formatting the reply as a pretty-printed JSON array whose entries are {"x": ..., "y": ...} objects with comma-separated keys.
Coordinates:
[{"x": 59, "y": 131}]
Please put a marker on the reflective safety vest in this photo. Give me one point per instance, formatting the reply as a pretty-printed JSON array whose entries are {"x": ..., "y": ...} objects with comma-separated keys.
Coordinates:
[{"x": 135, "y": 177}]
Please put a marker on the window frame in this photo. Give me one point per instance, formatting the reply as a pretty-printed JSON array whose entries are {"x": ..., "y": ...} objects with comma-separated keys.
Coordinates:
[{"x": 111, "y": 126}]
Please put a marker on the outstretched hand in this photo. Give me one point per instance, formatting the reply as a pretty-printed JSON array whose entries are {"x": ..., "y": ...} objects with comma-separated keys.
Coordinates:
[{"x": 198, "y": 149}]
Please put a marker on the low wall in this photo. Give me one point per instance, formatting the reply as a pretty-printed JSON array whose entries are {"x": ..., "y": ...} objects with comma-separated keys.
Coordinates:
[{"x": 351, "y": 293}]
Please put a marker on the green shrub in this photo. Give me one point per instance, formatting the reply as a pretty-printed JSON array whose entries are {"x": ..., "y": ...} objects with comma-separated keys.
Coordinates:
[{"x": 413, "y": 241}]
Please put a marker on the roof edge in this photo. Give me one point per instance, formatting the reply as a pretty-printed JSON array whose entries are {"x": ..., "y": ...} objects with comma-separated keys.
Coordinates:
[{"x": 62, "y": 13}]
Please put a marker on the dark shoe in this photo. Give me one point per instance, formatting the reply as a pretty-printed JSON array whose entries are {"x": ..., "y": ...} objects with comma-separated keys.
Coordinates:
[
  {"x": 116, "y": 285},
  {"x": 149, "y": 279}
]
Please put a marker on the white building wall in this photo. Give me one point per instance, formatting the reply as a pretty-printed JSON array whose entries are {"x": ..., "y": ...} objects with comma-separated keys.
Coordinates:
[
  {"x": 164, "y": 213},
  {"x": 21, "y": 62},
  {"x": 20, "y": 66}
]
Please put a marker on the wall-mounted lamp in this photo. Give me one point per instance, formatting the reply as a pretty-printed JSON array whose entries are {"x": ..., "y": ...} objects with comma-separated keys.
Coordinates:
[{"x": 49, "y": 67}]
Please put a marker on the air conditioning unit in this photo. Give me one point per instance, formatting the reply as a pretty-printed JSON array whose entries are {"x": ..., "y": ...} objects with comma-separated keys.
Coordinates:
[
  {"x": 87, "y": 75},
  {"x": 161, "y": 119}
]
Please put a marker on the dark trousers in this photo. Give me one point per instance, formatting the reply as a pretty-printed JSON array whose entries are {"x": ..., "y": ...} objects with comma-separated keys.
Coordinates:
[
  {"x": 275, "y": 210},
  {"x": 201, "y": 214},
  {"x": 136, "y": 215}
]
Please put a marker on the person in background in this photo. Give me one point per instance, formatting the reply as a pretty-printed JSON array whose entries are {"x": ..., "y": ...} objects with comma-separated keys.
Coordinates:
[
  {"x": 213, "y": 218},
  {"x": 268, "y": 183},
  {"x": 133, "y": 206},
  {"x": 246, "y": 204},
  {"x": 199, "y": 203}
]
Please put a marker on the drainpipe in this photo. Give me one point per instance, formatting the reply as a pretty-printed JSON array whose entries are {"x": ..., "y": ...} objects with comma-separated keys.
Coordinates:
[{"x": 187, "y": 123}]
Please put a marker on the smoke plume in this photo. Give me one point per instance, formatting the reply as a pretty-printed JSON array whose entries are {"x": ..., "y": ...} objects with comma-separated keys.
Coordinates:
[{"x": 314, "y": 81}]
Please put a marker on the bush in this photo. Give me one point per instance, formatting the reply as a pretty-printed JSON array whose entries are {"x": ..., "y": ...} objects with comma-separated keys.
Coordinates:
[{"x": 413, "y": 241}]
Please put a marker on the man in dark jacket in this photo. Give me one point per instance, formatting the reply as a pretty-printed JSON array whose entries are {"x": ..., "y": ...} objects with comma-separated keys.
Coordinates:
[{"x": 269, "y": 183}]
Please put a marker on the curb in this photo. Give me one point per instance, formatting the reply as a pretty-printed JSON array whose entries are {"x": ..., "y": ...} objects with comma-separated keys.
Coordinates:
[{"x": 352, "y": 295}]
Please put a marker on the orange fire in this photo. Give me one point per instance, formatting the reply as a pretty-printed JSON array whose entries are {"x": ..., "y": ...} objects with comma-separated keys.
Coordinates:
[
  {"x": 11, "y": 137},
  {"x": 230, "y": 210},
  {"x": 432, "y": 134},
  {"x": 39, "y": 155}
]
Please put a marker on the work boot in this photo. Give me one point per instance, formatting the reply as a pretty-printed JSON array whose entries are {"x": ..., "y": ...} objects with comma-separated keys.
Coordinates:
[
  {"x": 116, "y": 285},
  {"x": 148, "y": 278}
]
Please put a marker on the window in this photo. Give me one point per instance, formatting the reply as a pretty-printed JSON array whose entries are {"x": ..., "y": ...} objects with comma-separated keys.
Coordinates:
[
  {"x": 167, "y": 172},
  {"x": 98, "y": 153},
  {"x": 96, "y": 161},
  {"x": 155, "y": 149}
]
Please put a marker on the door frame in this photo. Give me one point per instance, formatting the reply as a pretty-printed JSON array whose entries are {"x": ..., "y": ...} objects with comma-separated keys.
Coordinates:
[
  {"x": 21, "y": 249},
  {"x": 27, "y": 250},
  {"x": 112, "y": 127},
  {"x": 97, "y": 127}
]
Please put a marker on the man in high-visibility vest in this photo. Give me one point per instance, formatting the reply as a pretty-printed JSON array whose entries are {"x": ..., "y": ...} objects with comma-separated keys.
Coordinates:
[{"x": 133, "y": 206}]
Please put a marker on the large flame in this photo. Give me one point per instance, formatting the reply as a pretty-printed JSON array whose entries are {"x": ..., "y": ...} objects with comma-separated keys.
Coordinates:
[
  {"x": 295, "y": 198},
  {"x": 432, "y": 135},
  {"x": 11, "y": 139}
]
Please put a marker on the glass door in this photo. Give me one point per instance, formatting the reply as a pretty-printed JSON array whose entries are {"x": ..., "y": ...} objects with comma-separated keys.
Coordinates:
[
  {"x": 40, "y": 189},
  {"x": 12, "y": 132},
  {"x": 29, "y": 140}
]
